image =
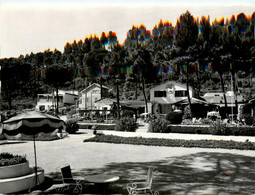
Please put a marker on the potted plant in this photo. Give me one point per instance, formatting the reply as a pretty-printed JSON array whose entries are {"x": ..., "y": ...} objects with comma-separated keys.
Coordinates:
[{"x": 13, "y": 165}]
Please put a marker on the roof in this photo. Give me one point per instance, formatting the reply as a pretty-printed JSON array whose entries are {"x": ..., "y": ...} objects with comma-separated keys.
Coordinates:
[
  {"x": 171, "y": 83},
  {"x": 133, "y": 104},
  {"x": 193, "y": 101},
  {"x": 61, "y": 92},
  {"x": 106, "y": 100},
  {"x": 94, "y": 85}
]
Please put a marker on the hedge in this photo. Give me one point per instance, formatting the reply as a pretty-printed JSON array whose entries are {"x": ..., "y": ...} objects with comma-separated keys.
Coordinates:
[
  {"x": 98, "y": 126},
  {"x": 192, "y": 129},
  {"x": 207, "y": 129},
  {"x": 247, "y": 145}
]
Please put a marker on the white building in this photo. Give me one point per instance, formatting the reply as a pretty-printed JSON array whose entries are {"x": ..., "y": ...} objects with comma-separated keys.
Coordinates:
[
  {"x": 90, "y": 95},
  {"x": 47, "y": 102},
  {"x": 163, "y": 97}
]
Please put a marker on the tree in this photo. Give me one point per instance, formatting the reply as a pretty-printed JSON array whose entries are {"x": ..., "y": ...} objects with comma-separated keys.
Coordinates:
[
  {"x": 57, "y": 75},
  {"x": 143, "y": 66},
  {"x": 186, "y": 36}
]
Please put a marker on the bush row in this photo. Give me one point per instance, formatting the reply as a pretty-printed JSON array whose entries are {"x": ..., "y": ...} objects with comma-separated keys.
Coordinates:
[
  {"x": 173, "y": 142},
  {"x": 199, "y": 129},
  {"x": 7, "y": 159},
  {"x": 216, "y": 129},
  {"x": 98, "y": 126}
]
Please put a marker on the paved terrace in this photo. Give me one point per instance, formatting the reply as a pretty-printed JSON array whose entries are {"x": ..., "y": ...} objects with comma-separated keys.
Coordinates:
[{"x": 180, "y": 170}]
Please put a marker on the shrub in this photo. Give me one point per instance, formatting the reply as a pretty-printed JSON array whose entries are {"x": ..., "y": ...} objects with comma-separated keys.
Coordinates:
[
  {"x": 100, "y": 120},
  {"x": 174, "y": 117},
  {"x": 206, "y": 121},
  {"x": 71, "y": 125},
  {"x": 126, "y": 124},
  {"x": 187, "y": 113},
  {"x": 219, "y": 128},
  {"x": 7, "y": 159},
  {"x": 129, "y": 113},
  {"x": 158, "y": 125},
  {"x": 249, "y": 120}
]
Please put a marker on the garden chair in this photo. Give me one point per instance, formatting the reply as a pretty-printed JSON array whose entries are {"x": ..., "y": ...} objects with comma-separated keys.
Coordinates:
[
  {"x": 142, "y": 187},
  {"x": 77, "y": 184}
]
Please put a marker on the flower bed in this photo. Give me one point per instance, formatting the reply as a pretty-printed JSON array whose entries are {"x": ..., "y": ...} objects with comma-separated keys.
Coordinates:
[
  {"x": 173, "y": 143},
  {"x": 7, "y": 159}
]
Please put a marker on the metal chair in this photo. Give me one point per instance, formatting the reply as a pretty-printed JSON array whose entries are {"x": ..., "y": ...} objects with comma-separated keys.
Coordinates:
[
  {"x": 142, "y": 187},
  {"x": 77, "y": 184}
]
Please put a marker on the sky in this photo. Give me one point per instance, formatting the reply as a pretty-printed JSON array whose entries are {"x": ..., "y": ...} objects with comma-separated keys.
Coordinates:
[{"x": 36, "y": 25}]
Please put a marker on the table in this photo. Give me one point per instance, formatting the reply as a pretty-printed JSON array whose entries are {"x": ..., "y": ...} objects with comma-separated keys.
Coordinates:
[{"x": 102, "y": 180}]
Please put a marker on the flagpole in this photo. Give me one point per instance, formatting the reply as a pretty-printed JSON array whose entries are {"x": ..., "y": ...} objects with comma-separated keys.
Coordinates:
[
  {"x": 35, "y": 161},
  {"x": 232, "y": 100}
]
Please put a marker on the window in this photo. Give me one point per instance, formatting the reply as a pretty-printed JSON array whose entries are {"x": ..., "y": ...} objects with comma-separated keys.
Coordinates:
[
  {"x": 181, "y": 94},
  {"x": 159, "y": 93},
  {"x": 96, "y": 92}
]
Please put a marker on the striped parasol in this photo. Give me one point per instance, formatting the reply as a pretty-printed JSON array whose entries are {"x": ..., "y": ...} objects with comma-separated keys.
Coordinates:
[{"x": 32, "y": 123}]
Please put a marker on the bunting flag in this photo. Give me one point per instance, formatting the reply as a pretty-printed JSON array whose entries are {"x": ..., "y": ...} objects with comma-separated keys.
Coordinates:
[
  {"x": 43, "y": 74},
  {"x": 184, "y": 68},
  {"x": 130, "y": 70},
  {"x": 175, "y": 68},
  {"x": 197, "y": 68},
  {"x": 80, "y": 72},
  {"x": 122, "y": 70},
  {"x": 210, "y": 67},
  {"x": 110, "y": 71},
  {"x": 206, "y": 68},
  {"x": 36, "y": 74},
  {"x": 31, "y": 73},
  {"x": 161, "y": 69}
]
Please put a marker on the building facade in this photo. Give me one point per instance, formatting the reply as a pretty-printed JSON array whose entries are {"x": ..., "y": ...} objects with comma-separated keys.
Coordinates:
[
  {"x": 89, "y": 96},
  {"x": 47, "y": 102},
  {"x": 163, "y": 98}
]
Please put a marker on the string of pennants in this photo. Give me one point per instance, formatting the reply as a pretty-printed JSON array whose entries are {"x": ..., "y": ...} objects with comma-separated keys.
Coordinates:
[
  {"x": 183, "y": 68},
  {"x": 173, "y": 68}
]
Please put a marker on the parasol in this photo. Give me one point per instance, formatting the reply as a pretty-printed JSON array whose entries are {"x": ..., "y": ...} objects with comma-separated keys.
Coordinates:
[{"x": 32, "y": 123}]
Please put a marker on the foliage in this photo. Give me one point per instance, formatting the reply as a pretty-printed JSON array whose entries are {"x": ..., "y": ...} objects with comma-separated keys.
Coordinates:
[
  {"x": 173, "y": 142},
  {"x": 187, "y": 113},
  {"x": 148, "y": 56},
  {"x": 128, "y": 113},
  {"x": 7, "y": 159},
  {"x": 174, "y": 117},
  {"x": 219, "y": 128},
  {"x": 191, "y": 129},
  {"x": 98, "y": 126},
  {"x": 248, "y": 119},
  {"x": 158, "y": 125},
  {"x": 206, "y": 121},
  {"x": 72, "y": 125},
  {"x": 126, "y": 124}
]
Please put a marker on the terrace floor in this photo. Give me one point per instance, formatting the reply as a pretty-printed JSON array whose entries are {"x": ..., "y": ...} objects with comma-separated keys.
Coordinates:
[{"x": 179, "y": 170}]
